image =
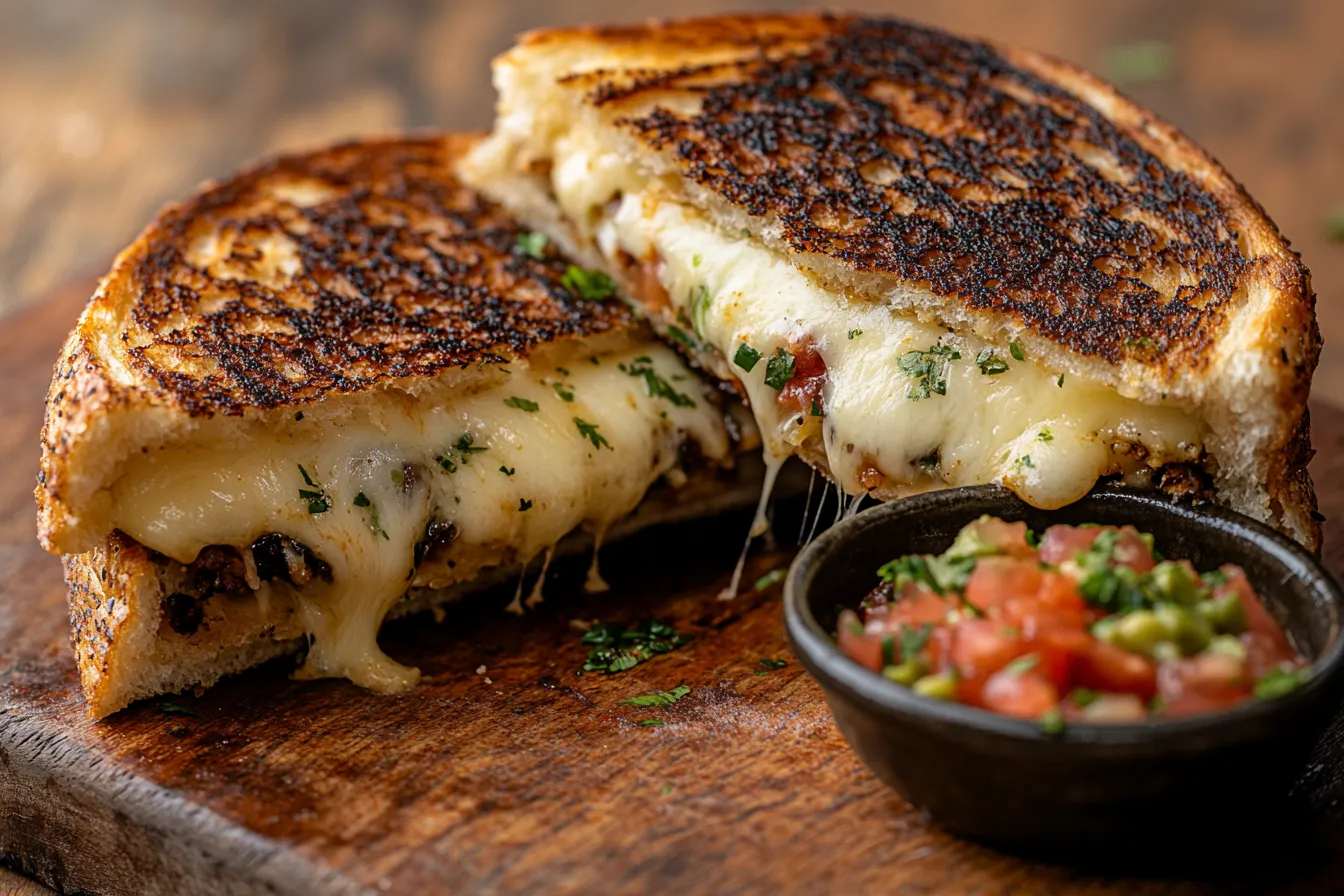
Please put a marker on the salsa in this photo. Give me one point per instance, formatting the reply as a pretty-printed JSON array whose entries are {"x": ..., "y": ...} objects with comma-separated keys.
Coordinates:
[{"x": 1087, "y": 624}]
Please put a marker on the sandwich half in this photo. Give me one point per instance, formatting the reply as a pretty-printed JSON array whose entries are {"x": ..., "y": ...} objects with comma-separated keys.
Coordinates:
[
  {"x": 339, "y": 386},
  {"x": 924, "y": 260}
]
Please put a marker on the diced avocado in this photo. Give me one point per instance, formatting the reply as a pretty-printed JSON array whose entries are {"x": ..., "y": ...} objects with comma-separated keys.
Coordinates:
[
  {"x": 1175, "y": 582},
  {"x": 1223, "y": 613},
  {"x": 906, "y": 673},
  {"x": 941, "y": 686}
]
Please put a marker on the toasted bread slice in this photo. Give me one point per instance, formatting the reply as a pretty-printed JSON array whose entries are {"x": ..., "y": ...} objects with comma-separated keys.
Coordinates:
[
  {"x": 337, "y": 385},
  {"x": 972, "y": 262}
]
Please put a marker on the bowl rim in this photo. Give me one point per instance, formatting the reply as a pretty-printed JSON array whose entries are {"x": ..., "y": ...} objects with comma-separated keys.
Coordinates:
[{"x": 818, "y": 651}]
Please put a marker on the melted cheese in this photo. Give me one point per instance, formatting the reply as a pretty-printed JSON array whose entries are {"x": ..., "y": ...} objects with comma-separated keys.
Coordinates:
[
  {"x": 1045, "y": 436},
  {"x": 576, "y": 442}
]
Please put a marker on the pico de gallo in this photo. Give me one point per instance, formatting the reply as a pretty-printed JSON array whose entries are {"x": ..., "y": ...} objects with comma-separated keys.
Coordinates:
[{"x": 1085, "y": 624}]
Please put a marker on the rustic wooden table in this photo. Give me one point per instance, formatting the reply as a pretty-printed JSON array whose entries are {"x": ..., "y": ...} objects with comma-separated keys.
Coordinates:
[{"x": 109, "y": 109}]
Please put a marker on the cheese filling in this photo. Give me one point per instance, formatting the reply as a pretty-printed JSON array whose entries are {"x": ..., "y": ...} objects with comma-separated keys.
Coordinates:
[
  {"x": 513, "y": 464},
  {"x": 888, "y": 404}
]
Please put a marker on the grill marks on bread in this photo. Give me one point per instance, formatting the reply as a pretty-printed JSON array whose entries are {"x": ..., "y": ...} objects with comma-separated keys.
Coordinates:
[
  {"x": 333, "y": 272},
  {"x": 903, "y": 151}
]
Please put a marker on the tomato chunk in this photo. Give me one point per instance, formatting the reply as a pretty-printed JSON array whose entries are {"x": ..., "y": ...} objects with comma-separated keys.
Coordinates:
[{"x": 1026, "y": 695}]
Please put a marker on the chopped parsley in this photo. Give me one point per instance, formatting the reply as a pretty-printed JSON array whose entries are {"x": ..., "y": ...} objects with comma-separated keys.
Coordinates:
[
  {"x": 524, "y": 504},
  {"x": 362, "y": 500},
  {"x": 655, "y": 385},
  {"x": 652, "y": 723},
  {"x": 564, "y": 393},
  {"x": 659, "y": 698},
  {"x": 989, "y": 363},
  {"x": 1026, "y": 461},
  {"x": 695, "y": 260},
  {"x": 679, "y": 335},
  {"x": 591, "y": 285},
  {"x": 1052, "y": 721},
  {"x": 398, "y": 476},
  {"x": 615, "y": 649},
  {"x": 855, "y": 332},
  {"x": 521, "y": 404},
  {"x": 507, "y": 471},
  {"x": 562, "y": 371},
  {"x": 746, "y": 357},
  {"x": 1140, "y": 343},
  {"x": 1060, "y": 381},
  {"x": 929, "y": 368},
  {"x": 779, "y": 369},
  {"x": 929, "y": 462},
  {"x": 773, "y": 664},
  {"x": 1016, "y": 351},
  {"x": 532, "y": 244},
  {"x": 315, "y": 495},
  {"x": 176, "y": 709},
  {"x": 460, "y": 453},
  {"x": 941, "y": 574},
  {"x": 589, "y": 431},
  {"x": 699, "y": 301},
  {"x": 815, "y": 410},
  {"x": 1022, "y": 664},
  {"x": 913, "y": 640},
  {"x": 770, "y": 579},
  {"x": 1280, "y": 682},
  {"x": 1045, "y": 435}
]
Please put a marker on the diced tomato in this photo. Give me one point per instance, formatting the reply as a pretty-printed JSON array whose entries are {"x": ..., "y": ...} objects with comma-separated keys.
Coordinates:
[
  {"x": 1026, "y": 695},
  {"x": 1004, "y": 537},
  {"x": 864, "y": 648},
  {"x": 999, "y": 579},
  {"x": 1058, "y": 596},
  {"x": 1207, "y": 681},
  {"x": 1270, "y": 643},
  {"x": 918, "y": 605},
  {"x": 1063, "y": 543},
  {"x": 809, "y": 378},
  {"x": 1060, "y": 543},
  {"x": 1132, "y": 551},
  {"x": 981, "y": 647},
  {"x": 1104, "y": 667}
]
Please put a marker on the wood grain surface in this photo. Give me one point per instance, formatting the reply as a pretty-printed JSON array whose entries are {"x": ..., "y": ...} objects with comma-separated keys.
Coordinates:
[{"x": 521, "y": 777}]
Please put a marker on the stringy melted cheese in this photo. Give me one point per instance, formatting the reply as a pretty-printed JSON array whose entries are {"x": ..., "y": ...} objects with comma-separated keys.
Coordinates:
[
  {"x": 372, "y": 480},
  {"x": 1047, "y": 437}
]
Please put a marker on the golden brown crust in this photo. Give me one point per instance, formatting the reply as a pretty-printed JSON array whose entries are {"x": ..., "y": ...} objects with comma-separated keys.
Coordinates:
[
  {"x": 976, "y": 171},
  {"x": 306, "y": 276}
]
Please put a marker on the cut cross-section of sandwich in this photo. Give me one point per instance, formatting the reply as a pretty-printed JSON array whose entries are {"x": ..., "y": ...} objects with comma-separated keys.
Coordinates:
[
  {"x": 341, "y": 385},
  {"x": 926, "y": 260}
]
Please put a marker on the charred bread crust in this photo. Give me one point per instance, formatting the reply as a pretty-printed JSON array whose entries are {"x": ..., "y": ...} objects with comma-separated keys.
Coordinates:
[{"x": 307, "y": 276}]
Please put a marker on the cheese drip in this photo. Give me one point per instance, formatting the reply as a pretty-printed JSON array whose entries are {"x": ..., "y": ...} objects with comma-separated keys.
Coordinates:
[
  {"x": 985, "y": 416},
  {"x": 513, "y": 464}
]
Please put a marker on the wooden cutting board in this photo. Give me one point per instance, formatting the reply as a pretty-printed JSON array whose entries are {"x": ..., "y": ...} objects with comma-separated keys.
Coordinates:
[{"x": 521, "y": 778}]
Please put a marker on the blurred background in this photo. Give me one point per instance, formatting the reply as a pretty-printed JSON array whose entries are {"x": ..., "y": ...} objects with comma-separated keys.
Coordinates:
[{"x": 108, "y": 109}]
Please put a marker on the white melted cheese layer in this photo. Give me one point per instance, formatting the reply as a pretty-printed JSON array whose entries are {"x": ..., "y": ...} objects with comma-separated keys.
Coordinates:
[
  {"x": 360, "y": 491},
  {"x": 1047, "y": 437}
]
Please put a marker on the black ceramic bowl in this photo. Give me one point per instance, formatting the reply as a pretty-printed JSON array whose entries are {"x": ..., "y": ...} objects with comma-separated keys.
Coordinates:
[{"x": 1092, "y": 789}]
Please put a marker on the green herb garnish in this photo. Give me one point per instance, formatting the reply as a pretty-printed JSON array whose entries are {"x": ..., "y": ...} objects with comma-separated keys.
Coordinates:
[
  {"x": 652, "y": 723},
  {"x": 770, "y": 579},
  {"x": 593, "y": 286},
  {"x": 1280, "y": 682},
  {"x": 316, "y": 496},
  {"x": 1016, "y": 351},
  {"x": 524, "y": 504},
  {"x": 532, "y": 244},
  {"x": 660, "y": 698},
  {"x": 913, "y": 640},
  {"x": 1060, "y": 381},
  {"x": 616, "y": 649},
  {"x": 779, "y": 369},
  {"x": 773, "y": 664},
  {"x": 564, "y": 393},
  {"x": 989, "y": 363},
  {"x": 855, "y": 332},
  {"x": 589, "y": 431},
  {"x": 929, "y": 367},
  {"x": 176, "y": 709},
  {"x": 507, "y": 471},
  {"x": 746, "y": 357},
  {"x": 1052, "y": 721},
  {"x": 1045, "y": 435},
  {"x": 521, "y": 404},
  {"x": 655, "y": 385},
  {"x": 362, "y": 500},
  {"x": 700, "y": 301},
  {"x": 1022, "y": 664}
]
